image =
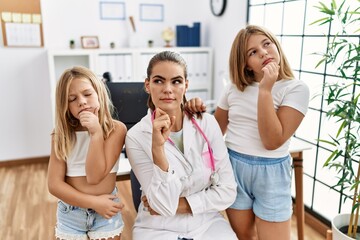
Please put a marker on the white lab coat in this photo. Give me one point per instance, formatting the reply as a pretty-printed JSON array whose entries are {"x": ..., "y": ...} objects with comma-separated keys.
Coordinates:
[{"x": 163, "y": 189}]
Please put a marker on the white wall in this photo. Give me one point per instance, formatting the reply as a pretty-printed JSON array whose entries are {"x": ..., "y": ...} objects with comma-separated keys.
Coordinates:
[
  {"x": 222, "y": 32},
  {"x": 26, "y": 118},
  {"x": 74, "y": 19}
]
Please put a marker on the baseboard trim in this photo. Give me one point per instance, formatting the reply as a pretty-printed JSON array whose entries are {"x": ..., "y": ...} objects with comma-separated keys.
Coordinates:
[
  {"x": 314, "y": 223},
  {"x": 18, "y": 162}
]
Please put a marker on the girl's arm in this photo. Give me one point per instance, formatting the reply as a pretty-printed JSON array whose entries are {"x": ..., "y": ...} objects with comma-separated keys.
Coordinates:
[
  {"x": 59, "y": 188},
  {"x": 222, "y": 117},
  {"x": 103, "y": 154},
  {"x": 276, "y": 127},
  {"x": 195, "y": 105}
]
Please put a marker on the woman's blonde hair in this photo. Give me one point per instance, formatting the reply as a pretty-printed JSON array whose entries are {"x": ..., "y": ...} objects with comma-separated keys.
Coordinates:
[
  {"x": 239, "y": 74},
  {"x": 65, "y": 123}
]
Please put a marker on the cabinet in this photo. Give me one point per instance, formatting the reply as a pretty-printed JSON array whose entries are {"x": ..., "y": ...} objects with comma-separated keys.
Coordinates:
[{"x": 129, "y": 65}]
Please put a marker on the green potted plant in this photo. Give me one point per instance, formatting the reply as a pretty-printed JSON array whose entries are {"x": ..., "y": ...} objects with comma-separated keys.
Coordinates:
[
  {"x": 72, "y": 43},
  {"x": 343, "y": 52}
]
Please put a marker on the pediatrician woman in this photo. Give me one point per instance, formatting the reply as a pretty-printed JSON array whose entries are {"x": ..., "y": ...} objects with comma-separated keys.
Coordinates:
[{"x": 181, "y": 163}]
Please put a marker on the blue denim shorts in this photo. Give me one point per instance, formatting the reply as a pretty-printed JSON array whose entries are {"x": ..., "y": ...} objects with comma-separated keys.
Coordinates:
[
  {"x": 80, "y": 223},
  {"x": 264, "y": 185}
]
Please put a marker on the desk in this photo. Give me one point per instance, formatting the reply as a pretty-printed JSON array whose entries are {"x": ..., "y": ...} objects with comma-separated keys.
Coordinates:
[
  {"x": 296, "y": 150},
  {"x": 124, "y": 169}
]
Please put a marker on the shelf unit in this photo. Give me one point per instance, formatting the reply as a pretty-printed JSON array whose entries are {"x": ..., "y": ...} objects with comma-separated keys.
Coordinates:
[{"x": 129, "y": 65}]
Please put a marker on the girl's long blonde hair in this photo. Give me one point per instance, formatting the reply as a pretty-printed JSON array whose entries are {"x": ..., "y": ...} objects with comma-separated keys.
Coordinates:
[
  {"x": 65, "y": 123},
  {"x": 239, "y": 74}
]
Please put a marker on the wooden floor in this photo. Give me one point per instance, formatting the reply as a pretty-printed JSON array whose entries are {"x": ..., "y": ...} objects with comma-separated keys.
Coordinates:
[{"x": 28, "y": 211}]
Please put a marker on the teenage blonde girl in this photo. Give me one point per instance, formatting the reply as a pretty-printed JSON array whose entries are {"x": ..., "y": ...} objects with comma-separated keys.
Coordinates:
[
  {"x": 259, "y": 112},
  {"x": 86, "y": 144}
]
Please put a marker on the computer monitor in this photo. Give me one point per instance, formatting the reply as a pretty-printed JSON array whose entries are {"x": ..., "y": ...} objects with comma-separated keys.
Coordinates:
[{"x": 130, "y": 101}]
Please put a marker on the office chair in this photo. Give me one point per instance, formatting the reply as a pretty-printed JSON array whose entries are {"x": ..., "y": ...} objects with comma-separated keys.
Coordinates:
[
  {"x": 107, "y": 77},
  {"x": 135, "y": 186},
  {"x": 127, "y": 96}
]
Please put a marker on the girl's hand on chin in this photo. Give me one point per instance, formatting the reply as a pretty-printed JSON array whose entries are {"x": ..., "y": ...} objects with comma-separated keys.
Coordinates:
[
  {"x": 271, "y": 74},
  {"x": 90, "y": 120}
]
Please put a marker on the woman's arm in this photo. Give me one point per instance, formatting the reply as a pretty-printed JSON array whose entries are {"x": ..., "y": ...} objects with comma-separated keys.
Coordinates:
[
  {"x": 59, "y": 188},
  {"x": 162, "y": 124},
  {"x": 183, "y": 206},
  {"x": 220, "y": 196},
  {"x": 103, "y": 154},
  {"x": 161, "y": 188}
]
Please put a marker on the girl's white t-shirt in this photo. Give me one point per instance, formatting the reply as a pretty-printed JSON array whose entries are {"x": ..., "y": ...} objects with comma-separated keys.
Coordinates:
[
  {"x": 242, "y": 131},
  {"x": 76, "y": 161}
]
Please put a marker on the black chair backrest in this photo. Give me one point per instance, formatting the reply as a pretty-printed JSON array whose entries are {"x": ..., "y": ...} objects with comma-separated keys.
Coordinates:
[{"x": 130, "y": 101}]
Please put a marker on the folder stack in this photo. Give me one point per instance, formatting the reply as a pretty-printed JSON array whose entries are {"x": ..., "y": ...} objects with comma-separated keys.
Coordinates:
[{"x": 188, "y": 36}]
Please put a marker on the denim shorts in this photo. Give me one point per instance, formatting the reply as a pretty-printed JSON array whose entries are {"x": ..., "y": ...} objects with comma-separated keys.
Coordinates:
[
  {"x": 263, "y": 185},
  {"x": 77, "y": 223}
]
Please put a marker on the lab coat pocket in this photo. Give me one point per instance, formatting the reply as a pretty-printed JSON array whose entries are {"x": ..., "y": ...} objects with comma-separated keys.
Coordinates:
[
  {"x": 207, "y": 164},
  {"x": 206, "y": 156}
]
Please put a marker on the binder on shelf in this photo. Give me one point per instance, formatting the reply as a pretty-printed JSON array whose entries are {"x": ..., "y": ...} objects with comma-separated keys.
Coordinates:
[
  {"x": 203, "y": 70},
  {"x": 181, "y": 35},
  {"x": 119, "y": 68},
  {"x": 128, "y": 67},
  {"x": 194, "y": 35},
  {"x": 188, "y": 36}
]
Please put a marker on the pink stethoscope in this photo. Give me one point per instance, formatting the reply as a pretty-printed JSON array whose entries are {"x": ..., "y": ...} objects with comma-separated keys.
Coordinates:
[{"x": 214, "y": 177}]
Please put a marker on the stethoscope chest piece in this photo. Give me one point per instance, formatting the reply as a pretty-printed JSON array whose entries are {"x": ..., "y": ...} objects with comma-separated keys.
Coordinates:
[{"x": 214, "y": 178}]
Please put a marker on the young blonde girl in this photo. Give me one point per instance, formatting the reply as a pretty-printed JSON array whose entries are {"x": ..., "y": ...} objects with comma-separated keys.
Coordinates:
[
  {"x": 86, "y": 144},
  {"x": 259, "y": 111}
]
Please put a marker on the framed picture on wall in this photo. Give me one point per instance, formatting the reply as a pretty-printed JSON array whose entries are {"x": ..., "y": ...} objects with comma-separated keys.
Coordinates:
[
  {"x": 90, "y": 42},
  {"x": 152, "y": 12},
  {"x": 112, "y": 11}
]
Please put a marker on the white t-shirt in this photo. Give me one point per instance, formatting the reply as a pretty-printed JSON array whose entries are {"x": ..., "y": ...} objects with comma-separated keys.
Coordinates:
[{"x": 242, "y": 131}]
